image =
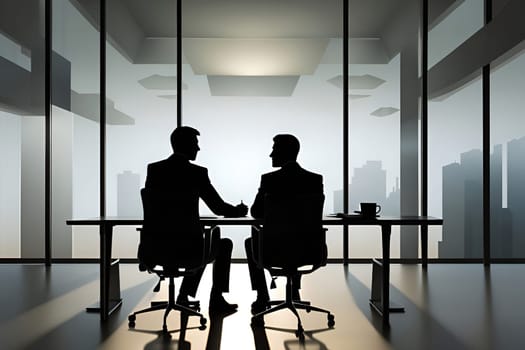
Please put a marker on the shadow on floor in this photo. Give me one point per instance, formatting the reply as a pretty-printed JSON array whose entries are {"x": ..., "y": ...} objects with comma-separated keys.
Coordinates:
[
  {"x": 414, "y": 329},
  {"x": 308, "y": 342}
]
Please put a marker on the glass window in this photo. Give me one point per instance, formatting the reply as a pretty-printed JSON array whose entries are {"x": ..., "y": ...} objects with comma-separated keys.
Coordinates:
[
  {"x": 75, "y": 128},
  {"x": 141, "y": 100},
  {"x": 455, "y": 165},
  {"x": 455, "y": 172},
  {"x": 507, "y": 164},
  {"x": 456, "y": 25},
  {"x": 22, "y": 181},
  {"x": 247, "y": 80},
  {"x": 383, "y": 123}
]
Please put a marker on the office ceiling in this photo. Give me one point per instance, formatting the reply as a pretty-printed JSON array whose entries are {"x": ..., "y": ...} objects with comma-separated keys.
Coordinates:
[
  {"x": 297, "y": 35},
  {"x": 263, "y": 19},
  {"x": 145, "y": 31}
]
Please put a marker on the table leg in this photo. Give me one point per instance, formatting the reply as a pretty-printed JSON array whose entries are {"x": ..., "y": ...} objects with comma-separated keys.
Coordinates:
[
  {"x": 424, "y": 246},
  {"x": 385, "y": 233},
  {"x": 345, "y": 245},
  {"x": 106, "y": 233},
  {"x": 106, "y": 305}
]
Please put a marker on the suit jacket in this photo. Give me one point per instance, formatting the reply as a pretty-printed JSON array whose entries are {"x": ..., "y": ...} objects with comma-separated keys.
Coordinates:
[
  {"x": 176, "y": 175},
  {"x": 290, "y": 179},
  {"x": 174, "y": 187}
]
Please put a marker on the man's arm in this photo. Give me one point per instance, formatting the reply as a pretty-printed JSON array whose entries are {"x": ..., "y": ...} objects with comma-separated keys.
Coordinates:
[
  {"x": 257, "y": 209},
  {"x": 213, "y": 200}
]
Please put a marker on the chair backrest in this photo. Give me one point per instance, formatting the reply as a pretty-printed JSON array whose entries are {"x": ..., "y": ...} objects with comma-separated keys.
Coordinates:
[
  {"x": 293, "y": 234},
  {"x": 171, "y": 233}
]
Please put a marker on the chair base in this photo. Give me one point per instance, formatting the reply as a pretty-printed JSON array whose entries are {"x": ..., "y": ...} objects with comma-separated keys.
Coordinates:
[
  {"x": 292, "y": 305},
  {"x": 191, "y": 310}
]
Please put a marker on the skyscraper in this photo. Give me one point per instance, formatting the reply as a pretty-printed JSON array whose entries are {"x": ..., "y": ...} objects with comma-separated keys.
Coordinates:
[
  {"x": 516, "y": 194},
  {"x": 368, "y": 184},
  {"x": 463, "y": 208},
  {"x": 500, "y": 221}
]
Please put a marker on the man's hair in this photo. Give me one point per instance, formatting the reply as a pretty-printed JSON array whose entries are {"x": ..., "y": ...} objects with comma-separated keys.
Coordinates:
[
  {"x": 182, "y": 136},
  {"x": 288, "y": 145}
]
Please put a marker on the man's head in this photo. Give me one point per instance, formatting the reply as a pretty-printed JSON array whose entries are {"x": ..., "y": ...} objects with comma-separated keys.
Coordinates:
[
  {"x": 184, "y": 141},
  {"x": 285, "y": 149}
]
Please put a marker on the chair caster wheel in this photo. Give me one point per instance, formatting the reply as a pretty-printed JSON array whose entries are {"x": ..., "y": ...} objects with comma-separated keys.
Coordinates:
[
  {"x": 131, "y": 321},
  {"x": 308, "y": 310},
  {"x": 331, "y": 320},
  {"x": 203, "y": 321}
]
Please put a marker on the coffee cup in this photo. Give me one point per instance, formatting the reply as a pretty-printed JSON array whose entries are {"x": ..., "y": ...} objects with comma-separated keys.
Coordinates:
[{"x": 370, "y": 210}]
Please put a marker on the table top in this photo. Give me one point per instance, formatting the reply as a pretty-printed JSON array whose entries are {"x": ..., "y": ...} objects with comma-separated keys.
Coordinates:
[{"x": 348, "y": 219}]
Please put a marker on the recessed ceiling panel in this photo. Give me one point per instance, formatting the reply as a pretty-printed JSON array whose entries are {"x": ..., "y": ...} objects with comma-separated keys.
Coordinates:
[
  {"x": 365, "y": 82},
  {"x": 359, "y": 82},
  {"x": 354, "y": 97},
  {"x": 254, "y": 57},
  {"x": 252, "y": 85},
  {"x": 384, "y": 111},
  {"x": 168, "y": 97},
  {"x": 161, "y": 82}
]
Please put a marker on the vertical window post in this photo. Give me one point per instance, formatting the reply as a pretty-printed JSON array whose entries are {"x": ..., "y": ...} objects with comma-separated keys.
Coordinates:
[
  {"x": 346, "y": 161},
  {"x": 47, "y": 103},
  {"x": 102, "y": 107},
  {"x": 486, "y": 148},
  {"x": 424, "y": 128},
  {"x": 179, "y": 62}
]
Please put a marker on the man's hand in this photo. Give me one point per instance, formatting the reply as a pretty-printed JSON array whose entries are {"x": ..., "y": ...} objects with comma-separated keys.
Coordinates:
[{"x": 242, "y": 209}]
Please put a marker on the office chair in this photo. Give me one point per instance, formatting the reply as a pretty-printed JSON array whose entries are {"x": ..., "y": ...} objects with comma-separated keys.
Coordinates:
[
  {"x": 291, "y": 242},
  {"x": 172, "y": 244}
]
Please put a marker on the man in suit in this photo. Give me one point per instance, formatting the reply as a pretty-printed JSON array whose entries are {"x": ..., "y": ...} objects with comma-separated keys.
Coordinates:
[
  {"x": 176, "y": 175},
  {"x": 290, "y": 179}
]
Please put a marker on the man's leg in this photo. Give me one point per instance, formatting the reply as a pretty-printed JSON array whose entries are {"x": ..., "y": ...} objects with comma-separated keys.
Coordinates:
[
  {"x": 221, "y": 252},
  {"x": 189, "y": 286},
  {"x": 257, "y": 276},
  {"x": 190, "y": 283}
]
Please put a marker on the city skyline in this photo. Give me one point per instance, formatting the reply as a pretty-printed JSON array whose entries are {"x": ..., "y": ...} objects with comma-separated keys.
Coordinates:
[{"x": 462, "y": 204}]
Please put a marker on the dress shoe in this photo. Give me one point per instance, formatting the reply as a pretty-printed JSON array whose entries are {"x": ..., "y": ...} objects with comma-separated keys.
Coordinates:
[
  {"x": 259, "y": 305},
  {"x": 219, "y": 304},
  {"x": 183, "y": 300}
]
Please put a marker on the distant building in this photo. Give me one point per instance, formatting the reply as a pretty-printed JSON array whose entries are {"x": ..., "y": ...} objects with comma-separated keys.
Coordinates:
[
  {"x": 516, "y": 194},
  {"x": 391, "y": 206},
  {"x": 368, "y": 184},
  {"x": 463, "y": 208},
  {"x": 452, "y": 244},
  {"x": 500, "y": 220}
]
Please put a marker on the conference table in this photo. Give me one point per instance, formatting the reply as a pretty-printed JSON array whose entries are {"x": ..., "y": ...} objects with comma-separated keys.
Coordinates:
[{"x": 381, "y": 305}]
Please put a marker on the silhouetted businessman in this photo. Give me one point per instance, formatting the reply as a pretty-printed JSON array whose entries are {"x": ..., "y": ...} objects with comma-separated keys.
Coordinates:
[
  {"x": 291, "y": 179},
  {"x": 176, "y": 175}
]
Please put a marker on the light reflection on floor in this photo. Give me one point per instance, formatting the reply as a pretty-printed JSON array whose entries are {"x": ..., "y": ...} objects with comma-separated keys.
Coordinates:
[{"x": 448, "y": 307}]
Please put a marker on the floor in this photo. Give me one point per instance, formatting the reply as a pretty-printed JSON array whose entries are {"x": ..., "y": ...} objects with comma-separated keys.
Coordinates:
[{"x": 448, "y": 307}]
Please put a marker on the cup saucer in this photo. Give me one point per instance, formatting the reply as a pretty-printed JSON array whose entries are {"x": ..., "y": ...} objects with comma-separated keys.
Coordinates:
[{"x": 360, "y": 213}]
